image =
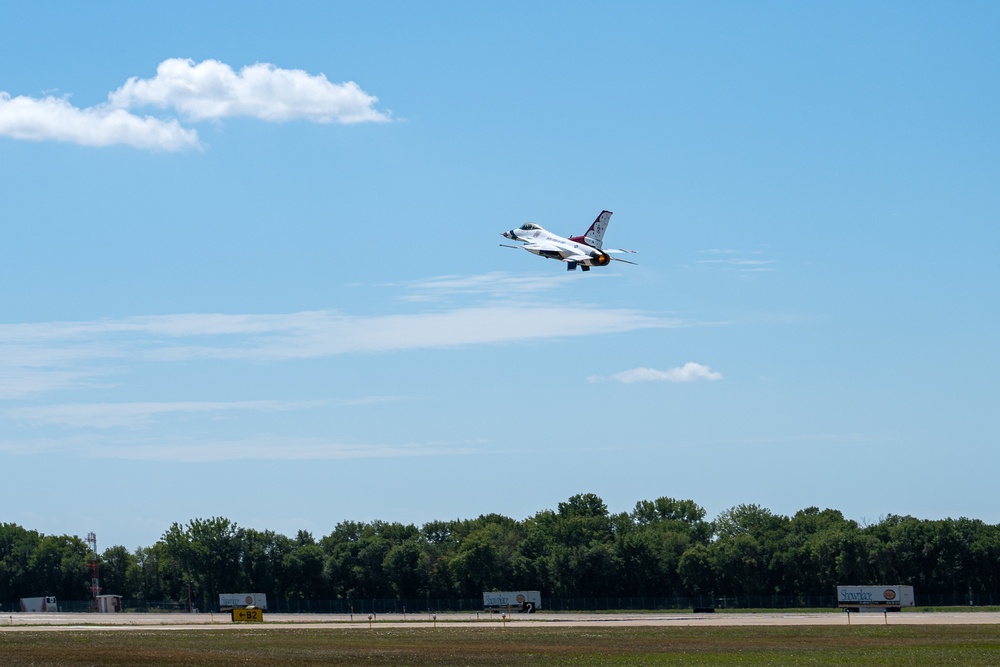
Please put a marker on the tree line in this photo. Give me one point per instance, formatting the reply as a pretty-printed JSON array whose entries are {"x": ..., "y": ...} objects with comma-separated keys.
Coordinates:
[{"x": 662, "y": 548}]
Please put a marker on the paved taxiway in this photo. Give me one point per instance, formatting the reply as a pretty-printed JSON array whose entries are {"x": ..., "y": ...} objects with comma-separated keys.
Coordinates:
[{"x": 15, "y": 622}]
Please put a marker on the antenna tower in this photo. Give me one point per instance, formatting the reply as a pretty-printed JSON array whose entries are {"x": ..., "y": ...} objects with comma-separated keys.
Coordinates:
[{"x": 94, "y": 566}]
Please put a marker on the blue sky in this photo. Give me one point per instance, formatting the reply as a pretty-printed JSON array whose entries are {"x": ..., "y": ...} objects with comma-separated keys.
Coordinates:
[{"x": 251, "y": 260}]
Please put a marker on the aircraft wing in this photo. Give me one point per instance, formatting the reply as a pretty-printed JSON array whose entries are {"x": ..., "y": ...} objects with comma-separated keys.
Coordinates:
[
  {"x": 542, "y": 247},
  {"x": 545, "y": 249},
  {"x": 618, "y": 251}
]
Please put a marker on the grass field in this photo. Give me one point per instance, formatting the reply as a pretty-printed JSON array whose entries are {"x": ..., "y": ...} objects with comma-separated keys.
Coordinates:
[{"x": 869, "y": 645}]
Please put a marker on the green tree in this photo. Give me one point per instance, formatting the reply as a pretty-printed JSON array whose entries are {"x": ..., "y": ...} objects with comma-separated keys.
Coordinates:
[
  {"x": 17, "y": 544},
  {"x": 649, "y": 557},
  {"x": 678, "y": 513},
  {"x": 478, "y": 564},
  {"x": 982, "y": 555},
  {"x": 582, "y": 521},
  {"x": 58, "y": 566},
  {"x": 748, "y": 550},
  {"x": 303, "y": 567},
  {"x": 156, "y": 571},
  {"x": 119, "y": 572},
  {"x": 407, "y": 566},
  {"x": 696, "y": 569},
  {"x": 821, "y": 550},
  {"x": 208, "y": 553},
  {"x": 263, "y": 563}
]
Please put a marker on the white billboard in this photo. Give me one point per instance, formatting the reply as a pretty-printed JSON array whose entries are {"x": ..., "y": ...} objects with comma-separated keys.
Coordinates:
[
  {"x": 231, "y": 600},
  {"x": 520, "y": 601}
]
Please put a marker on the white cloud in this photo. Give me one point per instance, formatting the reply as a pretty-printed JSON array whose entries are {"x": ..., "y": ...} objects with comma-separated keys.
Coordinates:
[
  {"x": 55, "y": 119},
  {"x": 689, "y": 372},
  {"x": 211, "y": 90}
]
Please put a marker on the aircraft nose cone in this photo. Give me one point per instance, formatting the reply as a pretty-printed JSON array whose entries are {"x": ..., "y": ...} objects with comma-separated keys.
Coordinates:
[{"x": 507, "y": 235}]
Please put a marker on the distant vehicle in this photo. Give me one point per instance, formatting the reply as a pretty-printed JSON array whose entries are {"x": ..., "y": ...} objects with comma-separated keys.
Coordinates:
[
  {"x": 108, "y": 604},
  {"x": 239, "y": 600},
  {"x": 526, "y": 602},
  {"x": 584, "y": 251},
  {"x": 47, "y": 603},
  {"x": 874, "y": 598}
]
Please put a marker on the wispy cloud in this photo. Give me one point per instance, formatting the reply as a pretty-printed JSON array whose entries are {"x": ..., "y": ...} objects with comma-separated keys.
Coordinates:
[
  {"x": 143, "y": 413},
  {"x": 36, "y": 358},
  {"x": 113, "y": 415},
  {"x": 689, "y": 372},
  {"x": 738, "y": 260},
  {"x": 210, "y": 90},
  {"x": 496, "y": 284},
  {"x": 181, "y": 450},
  {"x": 17, "y": 380}
]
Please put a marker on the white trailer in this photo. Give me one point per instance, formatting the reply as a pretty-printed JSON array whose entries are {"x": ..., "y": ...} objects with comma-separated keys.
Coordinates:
[
  {"x": 47, "y": 603},
  {"x": 521, "y": 601},
  {"x": 874, "y": 598},
  {"x": 229, "y": 601},
  {"x": 108, "y": 604}
]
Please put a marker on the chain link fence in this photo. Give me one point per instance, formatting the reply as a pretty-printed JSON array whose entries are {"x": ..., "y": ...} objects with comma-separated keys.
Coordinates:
[{"x": 602, "y": 604}]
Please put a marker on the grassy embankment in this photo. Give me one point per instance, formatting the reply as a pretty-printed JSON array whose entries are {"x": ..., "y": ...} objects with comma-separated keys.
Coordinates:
[{"x": 773, "y": 646}]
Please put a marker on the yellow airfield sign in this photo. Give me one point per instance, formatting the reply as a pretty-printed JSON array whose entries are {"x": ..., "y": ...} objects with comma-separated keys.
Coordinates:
[{"x": 248, "y": 615}]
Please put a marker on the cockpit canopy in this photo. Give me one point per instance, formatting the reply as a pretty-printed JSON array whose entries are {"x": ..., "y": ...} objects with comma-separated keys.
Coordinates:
[{"x": 529, "y": 225}]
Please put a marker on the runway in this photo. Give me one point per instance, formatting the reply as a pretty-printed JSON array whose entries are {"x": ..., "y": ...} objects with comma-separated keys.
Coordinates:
[{"x": 20, "y": 622}]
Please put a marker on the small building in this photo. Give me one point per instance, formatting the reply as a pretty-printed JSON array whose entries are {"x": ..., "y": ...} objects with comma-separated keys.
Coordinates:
[{"x": 109, "y": 604}]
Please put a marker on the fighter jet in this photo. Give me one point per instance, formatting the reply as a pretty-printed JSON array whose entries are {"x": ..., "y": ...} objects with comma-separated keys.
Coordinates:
[{"x": 584, "y": 251}]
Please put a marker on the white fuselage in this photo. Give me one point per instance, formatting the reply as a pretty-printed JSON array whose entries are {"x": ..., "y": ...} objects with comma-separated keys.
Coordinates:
[{"x": 542, "y": 242}]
